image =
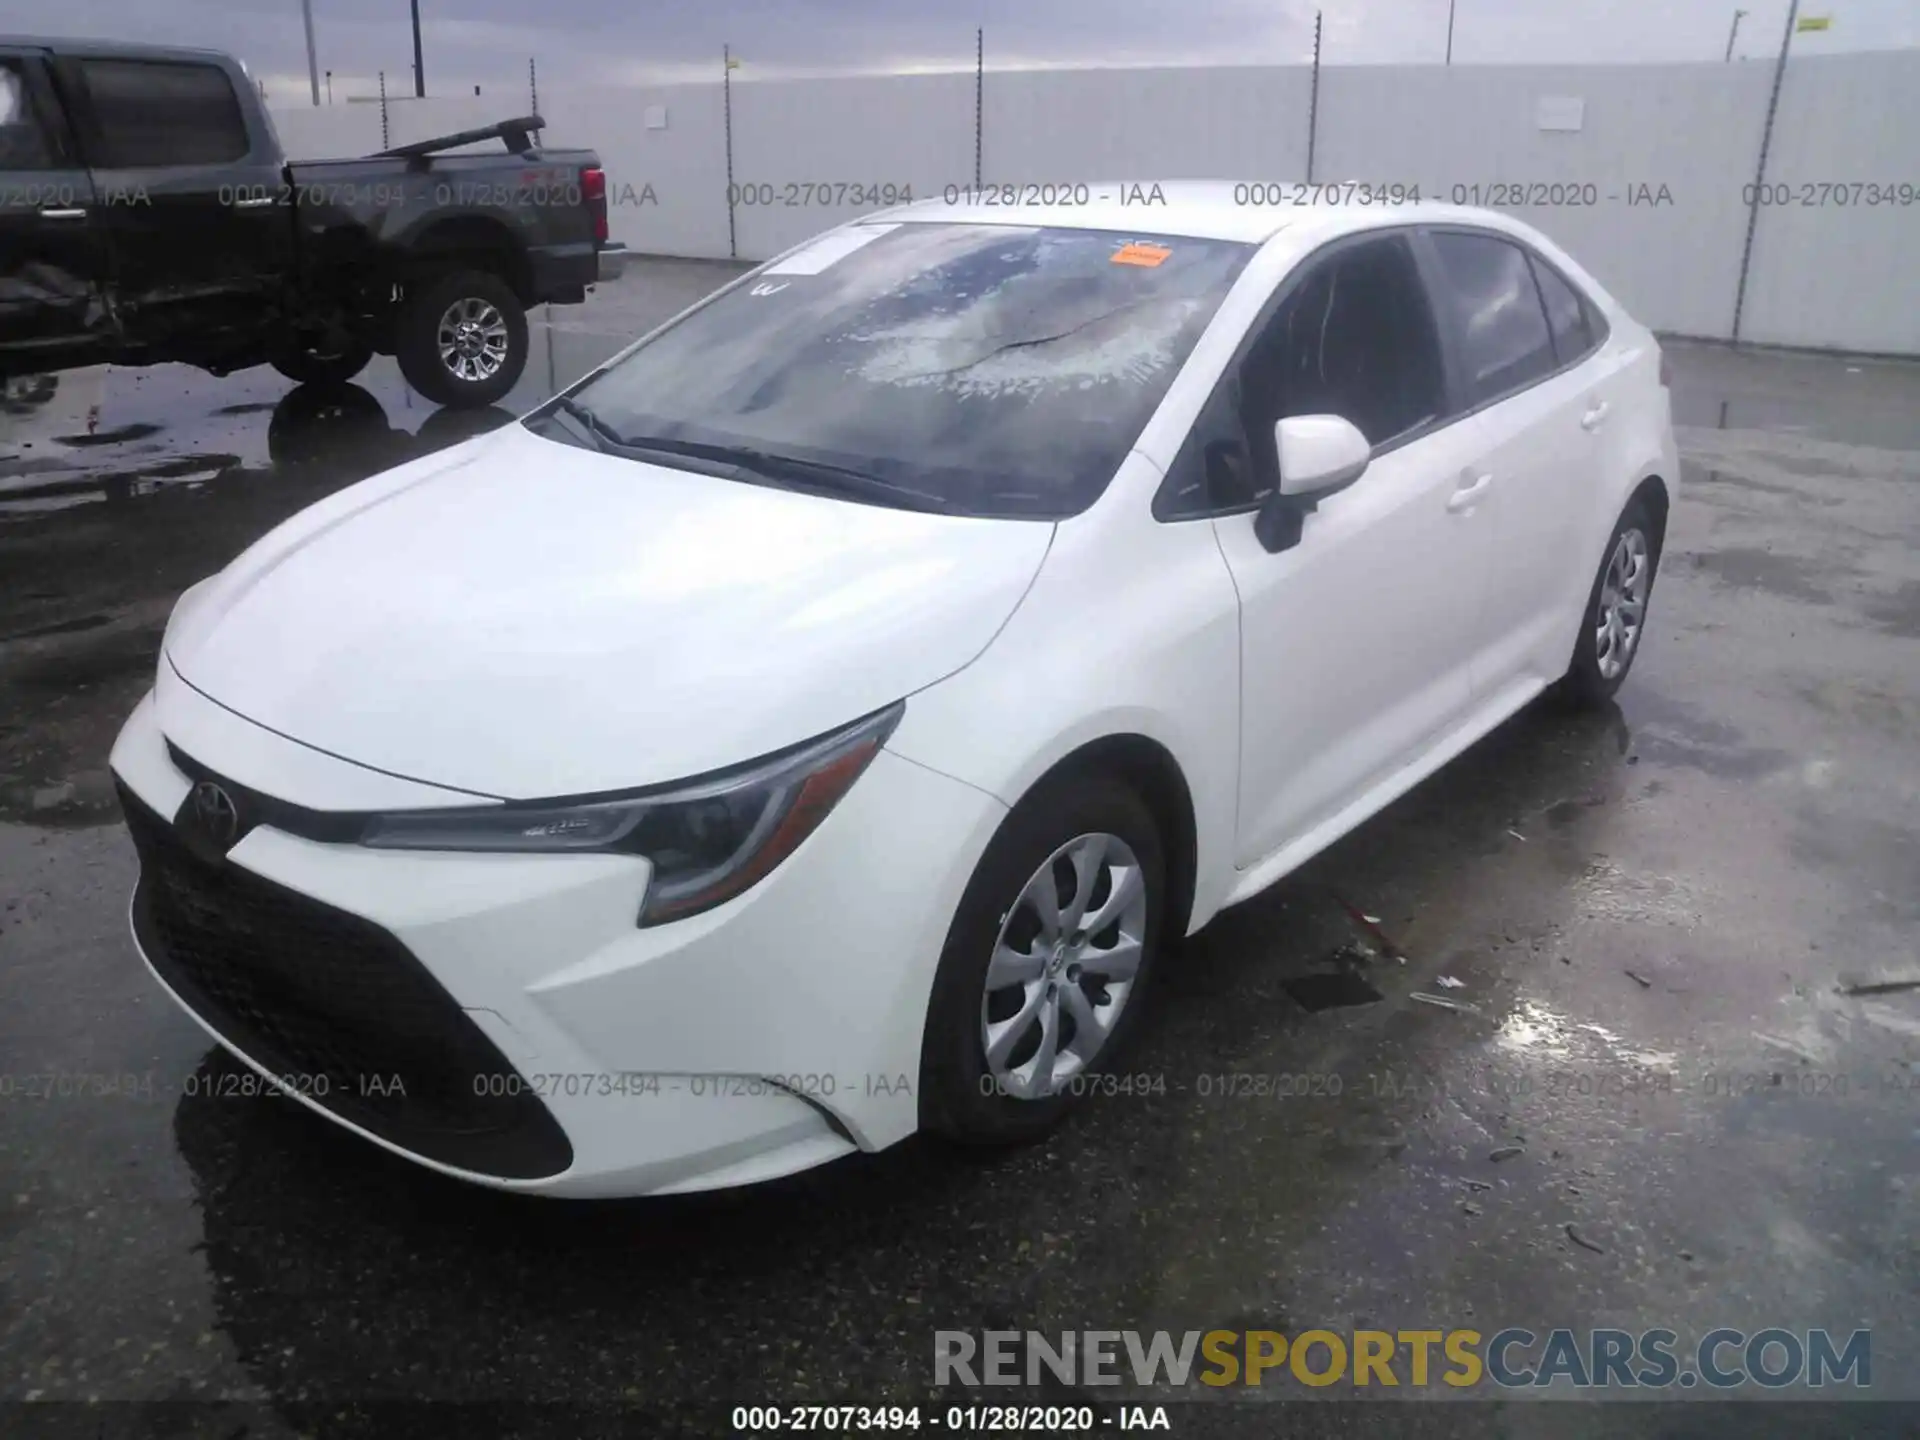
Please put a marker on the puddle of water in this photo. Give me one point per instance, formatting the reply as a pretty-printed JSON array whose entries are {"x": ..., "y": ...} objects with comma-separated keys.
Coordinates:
[
  {"x": 119, "y": 436},
  {"x": 1328, "y": 992},
  {"x": 344, "y": 433},
  {"x": 77, "y": 486},
  {"x": 1665, "y": 733},
  {"x": 1789, "y": 576},
  {"x": 40, "y": 504},
  {"x": 1538, "y": 1032}
]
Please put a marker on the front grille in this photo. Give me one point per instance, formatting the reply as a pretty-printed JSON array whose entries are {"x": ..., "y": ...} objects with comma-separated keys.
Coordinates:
[{"x": 337, "y": 1005}]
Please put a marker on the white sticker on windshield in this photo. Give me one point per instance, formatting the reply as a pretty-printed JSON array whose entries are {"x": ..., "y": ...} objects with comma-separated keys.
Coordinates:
[{"x": 812, "y": 259}]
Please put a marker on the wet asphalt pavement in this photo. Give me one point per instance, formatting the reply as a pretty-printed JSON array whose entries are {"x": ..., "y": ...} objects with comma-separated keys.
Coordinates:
[{"x": 1655, "y": 915}]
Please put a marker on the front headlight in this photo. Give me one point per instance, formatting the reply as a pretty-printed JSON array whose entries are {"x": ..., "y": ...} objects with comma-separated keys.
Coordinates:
[{"x": 708, "y": 840}]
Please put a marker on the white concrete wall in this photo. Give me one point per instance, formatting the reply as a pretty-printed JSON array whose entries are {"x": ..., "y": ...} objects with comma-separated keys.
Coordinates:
[
  {"x": 1847, "y": 275},
  {"x": 667, "y": 188},
  {"x": 1070, "y": 125},
  {"x": 331, "y": 131},
  {"x": 1693, "y": 128},
  {"x": 310, "y": 134},
  {"x": 912, "y": 131},
  {"x": 1844, "y": 277}
]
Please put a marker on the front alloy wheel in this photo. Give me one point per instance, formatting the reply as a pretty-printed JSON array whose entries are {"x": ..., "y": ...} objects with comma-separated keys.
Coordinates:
[
  {"x": 1047, "y": 962},
  {"x": 1063, "y": 966}
]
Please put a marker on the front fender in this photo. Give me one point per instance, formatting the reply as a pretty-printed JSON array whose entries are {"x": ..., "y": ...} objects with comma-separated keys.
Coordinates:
[{"x": 1130, "y": 629}]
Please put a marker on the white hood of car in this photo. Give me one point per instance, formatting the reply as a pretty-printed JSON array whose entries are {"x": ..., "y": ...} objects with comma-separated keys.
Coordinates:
[{"x": 521, "y": 618}]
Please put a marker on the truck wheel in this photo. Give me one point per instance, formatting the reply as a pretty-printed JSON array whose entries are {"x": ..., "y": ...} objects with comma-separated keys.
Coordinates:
[
  {"x": 462, "y": 339},
  {"x": 314, "y": 360}
]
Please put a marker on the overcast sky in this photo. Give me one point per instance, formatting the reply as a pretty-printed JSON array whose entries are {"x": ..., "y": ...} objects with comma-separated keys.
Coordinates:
[{"x": 488, "y": 42}]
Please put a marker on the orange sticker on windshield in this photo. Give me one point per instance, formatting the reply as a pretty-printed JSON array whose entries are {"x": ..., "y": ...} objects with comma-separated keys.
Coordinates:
[{"x": 1137, "y": 252}]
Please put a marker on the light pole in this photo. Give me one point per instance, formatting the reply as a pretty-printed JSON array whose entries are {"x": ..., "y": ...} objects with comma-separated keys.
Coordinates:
[
  {"x": 1450, "y": 5},
  {"x": 313, "y": 64},
  {"x": 1733, "y": 32},
  {"x": 419, "y": 66}
]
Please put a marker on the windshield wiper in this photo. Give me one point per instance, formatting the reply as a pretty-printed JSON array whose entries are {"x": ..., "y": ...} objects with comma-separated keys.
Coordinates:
[
  {"x": 813, "y": 474},
  {"x": 598, "y": 431}
]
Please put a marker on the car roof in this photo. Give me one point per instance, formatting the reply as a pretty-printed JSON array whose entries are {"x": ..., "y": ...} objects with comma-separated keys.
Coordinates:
[
  {"x": 1198, "y": 209},
  {"x": 114, "y": 49}
]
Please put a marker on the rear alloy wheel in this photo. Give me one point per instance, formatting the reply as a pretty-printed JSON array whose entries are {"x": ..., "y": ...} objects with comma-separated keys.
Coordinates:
[
  {"x": 1044, "y": 968},
  {"x": 462, "y": 339},
  {"x": 1616, "y": 615}
]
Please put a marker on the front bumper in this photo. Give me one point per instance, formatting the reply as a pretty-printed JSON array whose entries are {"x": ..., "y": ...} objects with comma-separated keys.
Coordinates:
[{"x": 577, "y": 1053}]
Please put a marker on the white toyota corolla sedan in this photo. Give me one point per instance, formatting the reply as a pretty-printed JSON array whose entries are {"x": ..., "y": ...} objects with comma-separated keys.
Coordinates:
[{"x": 814, "y": 725}]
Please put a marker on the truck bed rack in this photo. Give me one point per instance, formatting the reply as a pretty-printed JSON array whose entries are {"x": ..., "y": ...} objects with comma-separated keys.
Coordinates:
[{"x": 517, "y": 133}]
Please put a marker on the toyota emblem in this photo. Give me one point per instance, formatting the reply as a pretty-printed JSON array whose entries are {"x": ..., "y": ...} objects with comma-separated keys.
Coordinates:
[{"x": 214, "y": 810}]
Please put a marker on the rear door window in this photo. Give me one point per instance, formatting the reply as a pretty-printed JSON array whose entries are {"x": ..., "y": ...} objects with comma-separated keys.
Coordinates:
[
  {"x": 1567, "y": 315},
  {"x": 1487, "y": 288},
  {"x": 154, "y": 113}
]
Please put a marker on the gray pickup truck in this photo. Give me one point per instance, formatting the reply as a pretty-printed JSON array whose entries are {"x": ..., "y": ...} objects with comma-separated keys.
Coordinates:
[{"x": 148, "y": 214}]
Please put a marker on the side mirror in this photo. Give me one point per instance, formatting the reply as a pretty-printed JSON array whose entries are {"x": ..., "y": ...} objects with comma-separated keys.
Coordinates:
[{"x": 1319, "y": 455}]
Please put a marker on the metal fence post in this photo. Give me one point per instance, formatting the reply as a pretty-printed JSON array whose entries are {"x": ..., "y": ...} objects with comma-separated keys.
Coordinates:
[
  {"x": 313, "y": 60},
  {"x": 979, "y": 93},
  {"x": 419, "y": 64},
  {"x": 1313, "y": 99},
  {"x": 1760, "y": 170},
  {"x": 726, "y": 100}
]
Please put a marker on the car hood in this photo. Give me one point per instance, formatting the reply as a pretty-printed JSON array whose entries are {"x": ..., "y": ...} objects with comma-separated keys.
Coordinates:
[{"x": 522, "y": 618}]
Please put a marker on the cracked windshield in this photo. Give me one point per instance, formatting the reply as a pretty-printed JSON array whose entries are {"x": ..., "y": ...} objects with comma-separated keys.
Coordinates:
[{"x": 1004, "y": 370}]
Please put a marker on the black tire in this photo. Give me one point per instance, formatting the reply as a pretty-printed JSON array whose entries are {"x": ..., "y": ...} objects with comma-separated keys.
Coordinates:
[
  {"x": 959, "y": 1098},
  {"x": 307, "y": 360},
  {"x": 417, "y": 342},
  {"x": 1588, "y": 681}
]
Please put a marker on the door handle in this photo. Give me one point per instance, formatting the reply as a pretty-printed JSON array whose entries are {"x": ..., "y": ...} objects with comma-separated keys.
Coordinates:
[
  {"x": 1468, "y": 495},
  {"x": 64, "y": 214},
  {"x": 1595, "y": 414},
  {"x": 253, "y": 202}
]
